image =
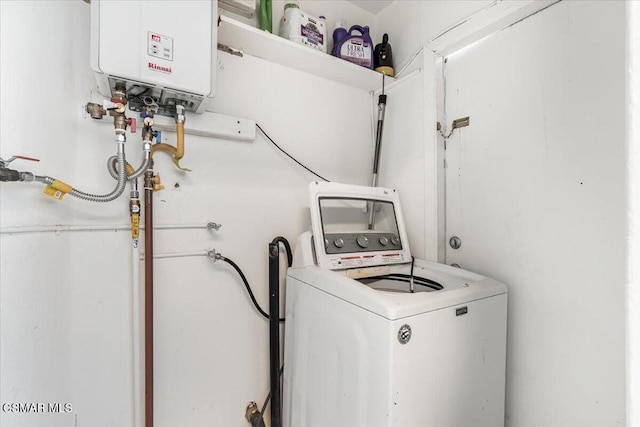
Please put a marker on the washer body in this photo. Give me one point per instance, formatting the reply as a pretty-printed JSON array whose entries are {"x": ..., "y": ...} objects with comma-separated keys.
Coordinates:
[{"x": 366, "y": 352}]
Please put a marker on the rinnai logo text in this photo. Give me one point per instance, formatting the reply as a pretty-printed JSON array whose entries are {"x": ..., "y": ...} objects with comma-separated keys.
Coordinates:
[
  {"x": 57, "y": 408},
  {"x": 161, "y": 68}
]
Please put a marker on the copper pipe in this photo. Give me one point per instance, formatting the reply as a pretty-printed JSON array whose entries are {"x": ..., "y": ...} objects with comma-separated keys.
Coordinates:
[{"x": 148, "y": 297}]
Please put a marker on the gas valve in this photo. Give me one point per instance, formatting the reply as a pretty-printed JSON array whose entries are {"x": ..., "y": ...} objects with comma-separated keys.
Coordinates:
[
  {"x": 8, "y": 175},
  {"x": 132, "y": 124}
]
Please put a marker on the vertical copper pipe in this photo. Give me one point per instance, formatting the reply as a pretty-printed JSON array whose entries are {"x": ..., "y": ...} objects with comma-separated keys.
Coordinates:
[{"x": 148, "y": 297}]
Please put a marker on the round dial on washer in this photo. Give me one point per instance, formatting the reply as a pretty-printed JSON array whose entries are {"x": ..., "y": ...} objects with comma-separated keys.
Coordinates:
[
  {"x": 338, "y": 243},
  {"x": 363, "y": 242},
  {"x": 326, "y": 243},
  {"x": 395, "y": 240},
  {"x": 384, "y": 241}
]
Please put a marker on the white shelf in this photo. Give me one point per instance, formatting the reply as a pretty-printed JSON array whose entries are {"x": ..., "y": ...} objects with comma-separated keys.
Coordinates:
[{"x": 264, "y": 45}]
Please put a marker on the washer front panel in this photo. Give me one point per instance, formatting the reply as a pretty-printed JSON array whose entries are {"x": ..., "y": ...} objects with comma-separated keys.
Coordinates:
[{"x": 356, "y": 226}]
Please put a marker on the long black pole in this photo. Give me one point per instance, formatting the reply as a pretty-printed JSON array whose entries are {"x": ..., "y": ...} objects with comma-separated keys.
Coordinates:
[
  {"x": 274, "y": 333},
  {"x": 382, "y": 107},
  {"x": 148, "y": 297}
]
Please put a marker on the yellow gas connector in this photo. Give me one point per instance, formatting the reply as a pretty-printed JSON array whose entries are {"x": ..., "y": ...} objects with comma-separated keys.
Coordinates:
[
  {"x": 135, "y": 226},
  {"x": 57, "y": 189}
]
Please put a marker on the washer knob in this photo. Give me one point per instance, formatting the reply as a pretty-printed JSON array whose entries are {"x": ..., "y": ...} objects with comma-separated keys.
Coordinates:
[
  {"x": 326, "y": 243},
  {"x": 395, "y": 240},
  {"x": 384, "y": 241},
  {"x": 338, "y": 243},
  {"x": 363, "y": 242}
]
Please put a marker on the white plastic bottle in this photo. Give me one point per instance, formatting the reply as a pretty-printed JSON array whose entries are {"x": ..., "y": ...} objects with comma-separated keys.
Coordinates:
[
  {"x": 300, "y": 27},
  {"x": 290, "y": 22}
]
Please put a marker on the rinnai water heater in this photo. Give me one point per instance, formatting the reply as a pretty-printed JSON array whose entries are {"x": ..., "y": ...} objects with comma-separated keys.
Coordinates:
[{"x": 163, "y": 49}]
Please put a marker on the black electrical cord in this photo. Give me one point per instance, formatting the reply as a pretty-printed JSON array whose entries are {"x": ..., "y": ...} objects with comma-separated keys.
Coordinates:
[
  {"x": 289, "y": 155},
  {"x": 287, "y": 248}
]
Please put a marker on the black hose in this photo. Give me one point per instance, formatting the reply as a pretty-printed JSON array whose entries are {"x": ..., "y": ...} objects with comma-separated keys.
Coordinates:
[
  {"x": 287, "y": 248},
  {"x": 413, "y": 261},
  {"x": 266, "y": 401},
  {"x": 422, "y": 281},
  {"x": 275, "y": 393},
  {"x": 246, "y": 284}
]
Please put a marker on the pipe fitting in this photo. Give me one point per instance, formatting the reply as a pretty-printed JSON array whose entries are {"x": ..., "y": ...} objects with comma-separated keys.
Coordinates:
[
  {"x": 27, "y": 177},
  {"x": 120, "y": 93},
  {"x": 252, "y": 408},
  {"x": 253, "y": 415},
  {"x": 180, "y": 117},
  {"x": 147, "y": 134},
  {"x": 119, "y": 123},
  {"x": 214, "y": 226},
  {"x": 9, "y": 175},
  {"x": 96, "y": 111},
  {"x": 214, "y": 256}
]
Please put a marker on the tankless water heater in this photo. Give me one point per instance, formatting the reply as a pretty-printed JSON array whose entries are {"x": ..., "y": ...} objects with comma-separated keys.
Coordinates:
[{"x": 162, "y": 49}]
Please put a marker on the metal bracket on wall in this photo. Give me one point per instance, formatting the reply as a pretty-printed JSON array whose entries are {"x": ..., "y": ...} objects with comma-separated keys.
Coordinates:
[
  {"x": 460, "y": 123},
  {"x": 213, "y": 125},
  {"x": 457, "y": 124},
  {"x": 208, "y": 124}
]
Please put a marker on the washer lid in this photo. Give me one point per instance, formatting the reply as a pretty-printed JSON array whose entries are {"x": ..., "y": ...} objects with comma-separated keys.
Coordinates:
[{"x": 355, "y": 226}]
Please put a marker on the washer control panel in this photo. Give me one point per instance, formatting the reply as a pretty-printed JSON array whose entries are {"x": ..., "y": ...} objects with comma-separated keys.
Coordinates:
[{"x": 343, "y": 243}]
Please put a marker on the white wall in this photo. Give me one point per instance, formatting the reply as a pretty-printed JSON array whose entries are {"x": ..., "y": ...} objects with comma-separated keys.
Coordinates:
[
  {"x": 65, "y": 297},
  {"x": 411, "y": 24},
  {"x": 633, "y": 215},
  {"x": 536, "y": 192},
  {"x": 409, "y": 150}
]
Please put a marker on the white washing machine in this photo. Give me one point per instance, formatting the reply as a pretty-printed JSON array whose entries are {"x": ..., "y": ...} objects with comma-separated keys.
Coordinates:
[{"x": 364, "y": 349}]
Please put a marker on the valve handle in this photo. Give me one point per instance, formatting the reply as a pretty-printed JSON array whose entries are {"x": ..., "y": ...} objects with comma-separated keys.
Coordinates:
[
  {"x": 132, "y": 124},
  {"x": 31, "y": 159},
  {"x": 4, "y": 163}
]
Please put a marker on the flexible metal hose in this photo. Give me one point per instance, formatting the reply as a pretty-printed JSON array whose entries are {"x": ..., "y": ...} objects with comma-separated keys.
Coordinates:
[
  {"x": 120, "y": 187},
  {"x": 113, "y": 170},
  {"x": 47, "y": 180}
]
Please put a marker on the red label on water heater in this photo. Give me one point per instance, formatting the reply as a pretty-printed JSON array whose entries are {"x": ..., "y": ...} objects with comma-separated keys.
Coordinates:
[{"x": 161, "y": 68}]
